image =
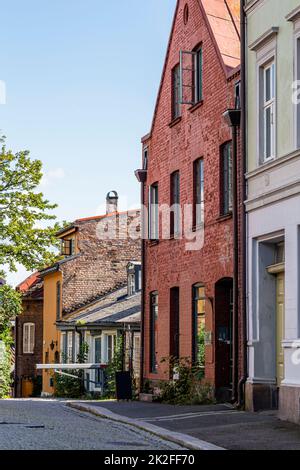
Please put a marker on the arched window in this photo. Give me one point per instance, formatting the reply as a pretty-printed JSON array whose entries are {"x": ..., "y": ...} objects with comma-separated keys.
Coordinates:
[
  {"x": 28, "y": 338},
  {"x": 199, "y": 325}
]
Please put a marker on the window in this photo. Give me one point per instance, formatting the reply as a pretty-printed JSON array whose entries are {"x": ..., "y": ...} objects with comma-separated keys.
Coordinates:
[
  {"x": 199, "y": 325},
  {"x": 267, "y": 119},
  {"x": 198, "y": 192},
  {"x": 68, "y": 247},
  {"x": 109, "y": 347},
  {"x": 70, "y": 347},
  {"x": 226, "y": 178},
  {"x": 136, "y": 353},
  {"x": 131, "y": 284},
  {"x": 186, "y": 14},
  {"x": 58, "y": 300},
  {"x": 153, "y": 331},
  {"x": 28, "y": 338},
  {"x": 176, "y": 110},
  {"x": 191, "y": 76},
  {"x": 153, "y": 212},
  {"x": 174, "y": 322},
  {"x": 63, "y": 348},
  {"x": 175, "y": 219},
  {"x": 97, "y": 359},
  {"x": 198, "y": 76},
  {"x": 145, "y": 158},
  {"x": 297, "y": 101}
]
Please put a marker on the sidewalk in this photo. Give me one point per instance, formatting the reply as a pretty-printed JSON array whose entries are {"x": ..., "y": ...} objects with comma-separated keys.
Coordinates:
[{"x": 202, "y": 427}]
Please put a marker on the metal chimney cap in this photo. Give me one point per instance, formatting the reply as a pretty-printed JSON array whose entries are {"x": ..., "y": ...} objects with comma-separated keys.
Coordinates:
[{"x": 112, "y": 195}]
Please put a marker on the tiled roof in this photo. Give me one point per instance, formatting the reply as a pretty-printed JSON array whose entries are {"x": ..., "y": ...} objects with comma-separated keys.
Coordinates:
[
  {"x": 112, "y": 214},
  {"x": 224, "y": 20},
  {"x": 24, "y": 286},
  {"x": 115, "y": 307}
]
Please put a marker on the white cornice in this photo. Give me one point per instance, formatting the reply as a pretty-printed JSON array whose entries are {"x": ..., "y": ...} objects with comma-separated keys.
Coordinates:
[
  {"x": 252, "y": 4},
  {"x": 293, "y": 15},
  {"x": 267, "y": 36}
]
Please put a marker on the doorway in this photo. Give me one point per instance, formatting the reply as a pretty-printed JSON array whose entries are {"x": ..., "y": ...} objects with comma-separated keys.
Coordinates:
[
  {"x": 223, "y": 337},
  {"x": 280, "y": 302}
]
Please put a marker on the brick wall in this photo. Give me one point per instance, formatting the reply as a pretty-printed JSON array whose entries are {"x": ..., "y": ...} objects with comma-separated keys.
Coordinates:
[
  {"x": 200, "y": 133},
  {"x": 32, "y": 312},
  {"x": 101, "y": 263}
]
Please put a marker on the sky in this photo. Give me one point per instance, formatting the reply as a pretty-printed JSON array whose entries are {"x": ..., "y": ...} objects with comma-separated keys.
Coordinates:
[{"x": 81, "y": 80}]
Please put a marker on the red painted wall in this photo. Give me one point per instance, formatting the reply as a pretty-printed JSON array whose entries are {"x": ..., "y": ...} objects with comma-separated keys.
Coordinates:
[{"x": 200, "y": 133}]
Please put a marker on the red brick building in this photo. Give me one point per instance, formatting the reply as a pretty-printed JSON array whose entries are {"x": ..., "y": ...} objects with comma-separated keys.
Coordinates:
[
  {"x": 188, "y": 291},
  {"x": 29, "y": 338}
]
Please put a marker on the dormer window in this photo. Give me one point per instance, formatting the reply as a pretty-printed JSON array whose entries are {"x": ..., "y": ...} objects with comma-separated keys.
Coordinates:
[
  {"x": 68, "y": 247},
  {"x": 131, "y": 284},
  {"x": 134, "y": 278}
]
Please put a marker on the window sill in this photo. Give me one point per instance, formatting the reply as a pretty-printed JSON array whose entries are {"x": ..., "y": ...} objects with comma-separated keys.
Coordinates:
[
  {"x": 196, "y": 228},
  {"x": 196, "y": 106},
  {"x": 175, "y": 236},
  {"x": 224, "y": 217},
  {"x": 175, "y": 121}
]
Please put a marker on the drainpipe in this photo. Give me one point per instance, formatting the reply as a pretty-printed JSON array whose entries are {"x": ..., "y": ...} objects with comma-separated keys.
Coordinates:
[
  {"x": 242, "y": 381},
  {"x": 233, "y": 117},
  {"x": 141, "y": 176}
]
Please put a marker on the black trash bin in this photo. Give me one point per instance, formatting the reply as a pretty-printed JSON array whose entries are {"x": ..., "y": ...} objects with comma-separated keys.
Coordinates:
[{"x": 123, "y": 386}]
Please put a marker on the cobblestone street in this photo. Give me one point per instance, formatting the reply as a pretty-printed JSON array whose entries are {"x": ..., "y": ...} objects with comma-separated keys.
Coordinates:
[{"x": 49, "y": 425}]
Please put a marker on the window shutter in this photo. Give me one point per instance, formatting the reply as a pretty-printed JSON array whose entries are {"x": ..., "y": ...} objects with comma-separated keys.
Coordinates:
[
  {"x": 25, "y": 338},
  {"x": 187, "y": 80},
  {"x": 31, "y": 338}
]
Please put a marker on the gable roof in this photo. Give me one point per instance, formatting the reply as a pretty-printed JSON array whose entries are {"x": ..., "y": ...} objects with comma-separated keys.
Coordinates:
[
  {"x": 223, "y": 21},
  {"x": 31, "y": 287},
  {"x": 28, "y": 283},
  {"x": 114, "y": 308}
]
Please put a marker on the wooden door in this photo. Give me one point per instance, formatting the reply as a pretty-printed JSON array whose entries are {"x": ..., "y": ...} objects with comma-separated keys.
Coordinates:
[{"x": 280, "y": 326}]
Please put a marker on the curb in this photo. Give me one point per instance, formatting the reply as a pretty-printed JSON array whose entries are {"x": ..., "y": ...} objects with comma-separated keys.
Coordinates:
[{"x": 184, "y": 440}]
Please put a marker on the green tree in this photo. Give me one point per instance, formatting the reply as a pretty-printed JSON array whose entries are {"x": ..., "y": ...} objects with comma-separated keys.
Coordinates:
[
  {"x": 10, "y": 307},
  {"x": 24, "y": 212}
]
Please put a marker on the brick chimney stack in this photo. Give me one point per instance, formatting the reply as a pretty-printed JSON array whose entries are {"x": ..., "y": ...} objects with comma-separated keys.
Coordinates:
[{"x": 112, "y": 202}]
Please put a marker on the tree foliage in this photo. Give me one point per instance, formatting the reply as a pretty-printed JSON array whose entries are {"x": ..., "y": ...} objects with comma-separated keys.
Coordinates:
[
  {"x": 10, "y": 307},
  {"x": 24, "y": 212}
]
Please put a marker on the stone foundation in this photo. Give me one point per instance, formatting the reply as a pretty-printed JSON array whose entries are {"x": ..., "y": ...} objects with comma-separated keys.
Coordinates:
[
  {"x": 261, "y": 397},
  {"x": 289, "y": 404}
]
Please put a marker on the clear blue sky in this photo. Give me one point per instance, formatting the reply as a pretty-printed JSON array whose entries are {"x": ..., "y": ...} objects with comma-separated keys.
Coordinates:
[{"x": 82, "y": 78}]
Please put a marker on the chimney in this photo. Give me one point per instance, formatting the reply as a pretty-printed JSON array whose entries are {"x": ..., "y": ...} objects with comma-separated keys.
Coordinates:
[{"x": 112, "y": 202}]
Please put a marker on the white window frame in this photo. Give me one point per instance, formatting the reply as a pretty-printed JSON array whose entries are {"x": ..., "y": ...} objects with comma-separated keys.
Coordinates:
[
  {"x": 105, "y": 345},
  {"x": 297, "y": 80},
  {"x": 95, "y": 385},
  {"x": 131, "y": 284},
  {"x": 154, "y": 212},
  {"x": 70, "y": 346},
  {"x": 269, "y": 105},
  {"x": 265, "y": 56},
  {"x": 29, "y": 345}
]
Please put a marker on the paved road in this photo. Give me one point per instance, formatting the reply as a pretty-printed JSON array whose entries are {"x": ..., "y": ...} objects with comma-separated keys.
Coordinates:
[
  {"x": 49, "y": 425},
  {"x": 218, "y": 424}
]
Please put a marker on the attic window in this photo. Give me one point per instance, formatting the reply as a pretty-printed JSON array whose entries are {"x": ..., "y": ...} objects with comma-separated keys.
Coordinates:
[{"x": 186, "y": 14}]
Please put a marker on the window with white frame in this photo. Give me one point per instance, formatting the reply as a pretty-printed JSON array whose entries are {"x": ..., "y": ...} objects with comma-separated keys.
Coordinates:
[
  {"x": 297, "y": 95},
  {"x": 109, "y": 347},
  {"x": 28, "y": 338},
  {"x": 70, "y": 346},
  {"x": 153, "y": 212},
  {"x": 268, "y": 110}
]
